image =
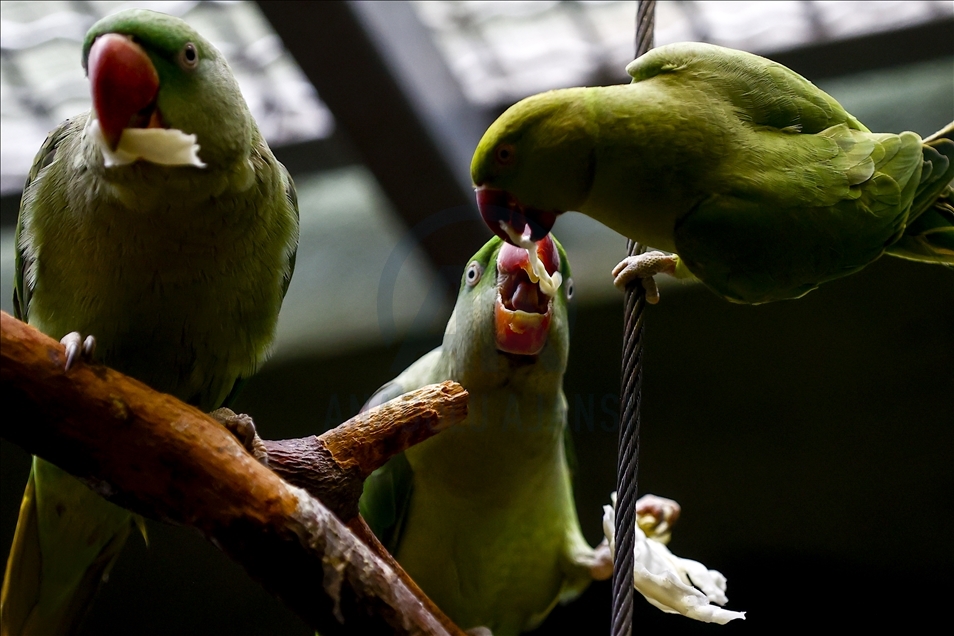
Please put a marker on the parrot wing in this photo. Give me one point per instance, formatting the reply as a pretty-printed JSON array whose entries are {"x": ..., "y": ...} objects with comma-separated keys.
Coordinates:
[
  {"x": 24, "y": 262},
  {"x": 820, "y": 207},
  {"x": 806, "y": 194},
  {"x": 291, "y": 194},
  {"x": 764, "y": 92},
  {"x": 384, "y": 502},
  {"x": 387, "y": 491},
  {"x": 929, "y": 235}
]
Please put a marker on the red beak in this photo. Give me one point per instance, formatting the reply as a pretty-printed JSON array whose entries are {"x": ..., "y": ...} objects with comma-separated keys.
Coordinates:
[
  {"x": 124, "y": 85},
  {"x": 497, "y": 206},
  {"x": 522, "y": 312}
]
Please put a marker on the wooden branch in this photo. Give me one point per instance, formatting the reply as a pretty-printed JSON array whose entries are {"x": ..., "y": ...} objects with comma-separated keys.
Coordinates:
[
  {"x": 155, "y": 455},
  {"x": 334, "y": 465}
]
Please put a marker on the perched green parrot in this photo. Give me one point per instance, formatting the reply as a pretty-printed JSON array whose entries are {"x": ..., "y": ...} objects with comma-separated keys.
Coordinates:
[
  {"x": 759, "y": 183},
  {"x": 482, "y": 516},
  {"x": 161, "y": 224}
]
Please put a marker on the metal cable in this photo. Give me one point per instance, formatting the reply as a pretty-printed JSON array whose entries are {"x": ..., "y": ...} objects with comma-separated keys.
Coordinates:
[{"x": 627, "y": 467}]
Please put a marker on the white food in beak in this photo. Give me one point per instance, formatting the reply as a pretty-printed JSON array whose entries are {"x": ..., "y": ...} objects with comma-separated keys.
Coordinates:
[
  {"x": 538, "y": 274},
  {"x": 162, "y": 146}
]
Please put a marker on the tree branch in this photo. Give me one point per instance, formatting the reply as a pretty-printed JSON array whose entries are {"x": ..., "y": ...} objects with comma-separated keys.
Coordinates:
[
  {"x": 155, "y": 455},
  {"x": 334, "y": 465}
]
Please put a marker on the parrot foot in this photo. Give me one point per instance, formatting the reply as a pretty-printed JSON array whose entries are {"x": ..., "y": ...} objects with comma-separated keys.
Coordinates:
[
  {"x": 601, "y": 565},
  {"x": 656, "y": 516},
  {"x": 643, "y": 267},
  {"x": 479, "y": 631},
  {"x": 77, "y": 347},
  {"x": 243, "y": 428}
]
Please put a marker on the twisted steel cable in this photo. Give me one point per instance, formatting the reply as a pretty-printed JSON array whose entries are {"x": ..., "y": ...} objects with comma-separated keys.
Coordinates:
[{"x": 627, "y": 467}]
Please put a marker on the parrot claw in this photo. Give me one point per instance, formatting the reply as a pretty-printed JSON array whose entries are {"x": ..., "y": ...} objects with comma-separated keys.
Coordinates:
[
  {"x": 77, "y": 347},
  {"x": 601, "y": 567},
  {"x": 643, "y": 267},
  {"x": 656, "y": 516},
  {"x": 597, "y": 561},
  {"x": 243, "y": 428}
]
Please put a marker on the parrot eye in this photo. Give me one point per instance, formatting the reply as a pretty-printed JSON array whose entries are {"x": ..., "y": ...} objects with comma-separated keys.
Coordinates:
[
  {"x": 189, "y": 56},
  {"x": 505, "y": 154},
  {"x": 474, "y": 272},
  {"x": 568, "y": 286}
]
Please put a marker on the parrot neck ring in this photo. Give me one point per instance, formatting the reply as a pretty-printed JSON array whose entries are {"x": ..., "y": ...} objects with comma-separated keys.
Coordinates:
[
  {"x": 126, "y": 122},
  {"x": 500, "y": 207},
  {"x": 522, "y": 311}
]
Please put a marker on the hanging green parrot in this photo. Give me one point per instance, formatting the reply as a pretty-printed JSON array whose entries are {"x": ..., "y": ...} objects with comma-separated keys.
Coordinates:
[
  {"x": 758, "y": 183},
  {"x": 160, "y": 225},
  {"x": 482, "y": 516}
]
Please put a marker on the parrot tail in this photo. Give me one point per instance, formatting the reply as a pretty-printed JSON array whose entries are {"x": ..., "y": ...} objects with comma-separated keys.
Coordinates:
[
  {"x": 66, "y": 541},
  {"x": 929, "y": 235}
]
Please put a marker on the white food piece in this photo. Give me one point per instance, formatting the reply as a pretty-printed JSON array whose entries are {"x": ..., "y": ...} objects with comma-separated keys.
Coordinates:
[
  {"x": 163, "y": 146},
  {"x": 538, "y": 272},
  {"x": 667, "y": 580}
]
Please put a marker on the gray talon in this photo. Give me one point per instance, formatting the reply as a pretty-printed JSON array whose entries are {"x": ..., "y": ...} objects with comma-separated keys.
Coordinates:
[
  {"x": 243, "y": 428},
  {"x": 76, "y": 347},
  {"x": 643, "y": 267},
  {"x": 89, "y": 347},
  {"x": 71, "y": 350}
]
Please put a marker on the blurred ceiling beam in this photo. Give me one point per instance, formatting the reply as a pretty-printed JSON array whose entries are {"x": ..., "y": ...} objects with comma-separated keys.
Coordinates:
[
  {"x": 870, "y": 52},
  {"x": 400, "y": 110},
  {"x": 376, "y": 67}
]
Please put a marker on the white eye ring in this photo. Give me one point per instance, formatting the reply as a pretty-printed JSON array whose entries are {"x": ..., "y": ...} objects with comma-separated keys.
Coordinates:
[
  {"x": 189, "y": 56},
  {"x": 473, "y": 274},
  {"x": 568, "y": 287}
]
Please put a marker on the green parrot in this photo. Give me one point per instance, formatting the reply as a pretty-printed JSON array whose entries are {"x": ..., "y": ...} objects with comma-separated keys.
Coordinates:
[
  {"x": 758, "y": 183},
  {"x": 482, "y": 516},
  {"x": 160, "y": 223}
]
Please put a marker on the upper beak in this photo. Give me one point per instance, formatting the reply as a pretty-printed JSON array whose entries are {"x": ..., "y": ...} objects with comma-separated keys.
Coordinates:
[
  {"x": 499, "y": 206},
  {"x": 124, "y": 85}
]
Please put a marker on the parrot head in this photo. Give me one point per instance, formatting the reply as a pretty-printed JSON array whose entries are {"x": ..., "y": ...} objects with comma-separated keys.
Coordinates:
[
  {"x": 151, "y": 70},
  {"x": 534, "y": 163},
  {"x": 502, "y": 317}
]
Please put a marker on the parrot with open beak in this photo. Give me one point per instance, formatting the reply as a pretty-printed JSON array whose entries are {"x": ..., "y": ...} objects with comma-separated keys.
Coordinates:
[
  {"x": 160, "y": 226},
  {"x": 482, "y": 516},
  {"x": 756, "y": 182}
]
